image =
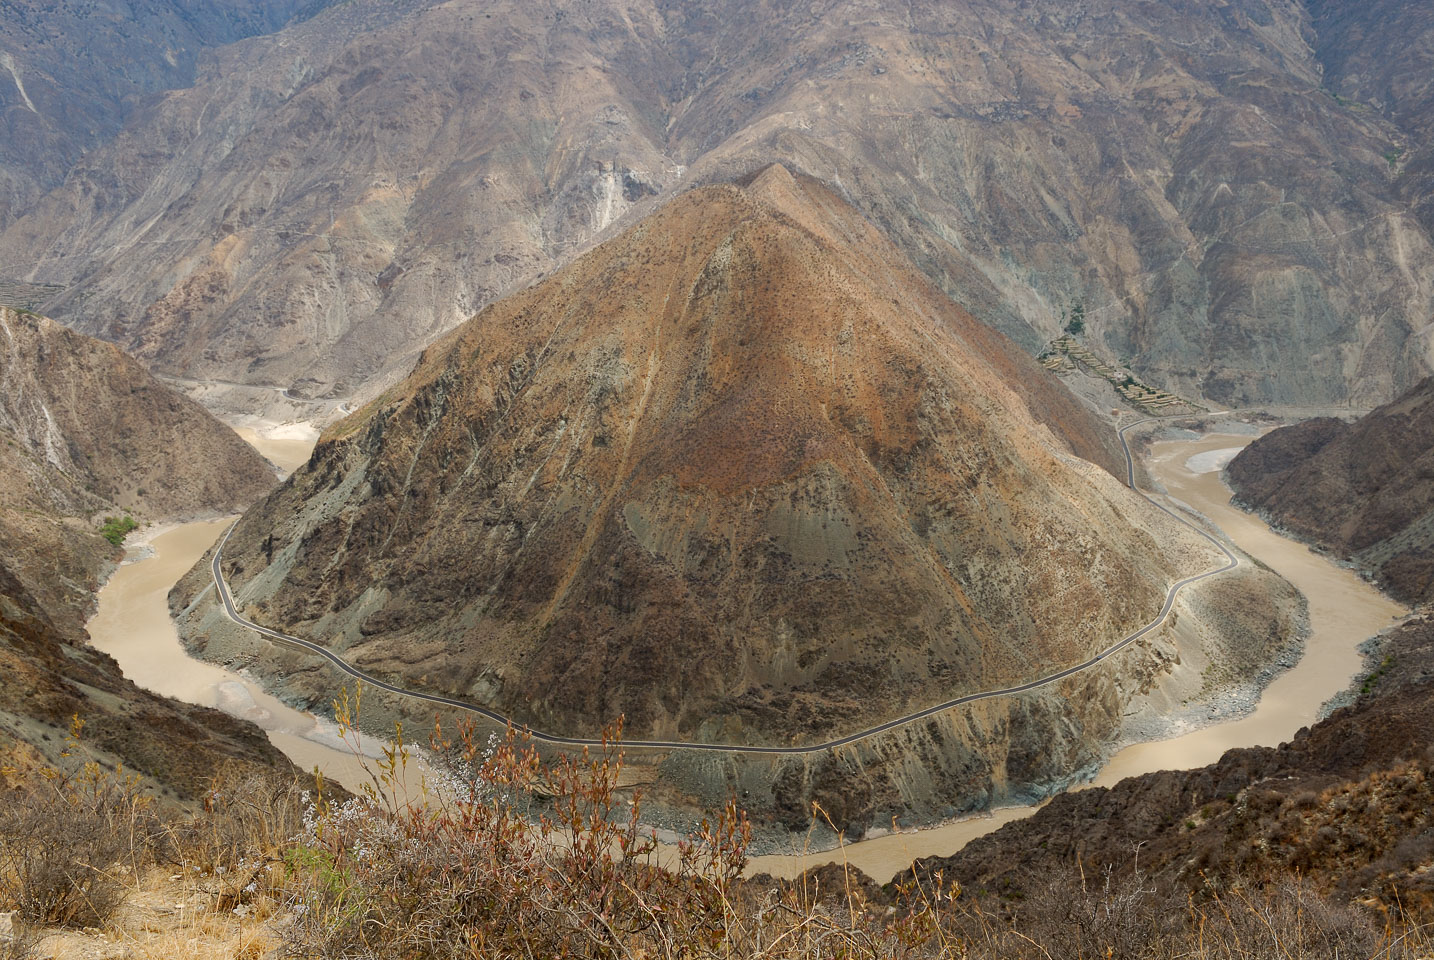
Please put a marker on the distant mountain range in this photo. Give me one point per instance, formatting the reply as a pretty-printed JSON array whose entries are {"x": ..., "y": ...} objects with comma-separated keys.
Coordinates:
[{"x": 1234, "y": 193}]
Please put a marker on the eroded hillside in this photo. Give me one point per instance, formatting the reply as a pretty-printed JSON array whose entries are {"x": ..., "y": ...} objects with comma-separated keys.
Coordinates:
[{"x": 327, "y": 199}]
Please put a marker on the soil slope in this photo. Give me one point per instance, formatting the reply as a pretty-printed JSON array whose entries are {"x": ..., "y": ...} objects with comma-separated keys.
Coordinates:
[
  {"x": 739, "y": 474},
  {"x": 1362, "y": 491}
]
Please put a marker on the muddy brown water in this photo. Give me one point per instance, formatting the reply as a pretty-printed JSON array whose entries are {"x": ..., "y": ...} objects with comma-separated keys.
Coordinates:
[
  {"x": 287, "y": 446},
  {"x": 133, "y": 625}
]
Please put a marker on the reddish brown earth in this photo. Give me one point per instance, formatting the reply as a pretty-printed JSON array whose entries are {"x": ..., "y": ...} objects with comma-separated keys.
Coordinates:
[{"x": 739, "y": 475}]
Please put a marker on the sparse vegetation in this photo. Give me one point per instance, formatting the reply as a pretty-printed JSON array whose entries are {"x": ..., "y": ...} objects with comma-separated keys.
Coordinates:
[
  {"x": 1372, "y": 681},
  {"x": 115, "y": 529},
  {"x": 507, "y": 854}
]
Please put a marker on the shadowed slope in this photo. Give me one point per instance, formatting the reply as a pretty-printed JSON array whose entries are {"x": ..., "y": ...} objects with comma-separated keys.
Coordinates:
[{"x": 1364, "y": 491}]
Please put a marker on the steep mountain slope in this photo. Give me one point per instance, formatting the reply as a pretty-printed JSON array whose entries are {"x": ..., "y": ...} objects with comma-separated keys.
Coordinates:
[
  {"x": 737, "y": 474},
  {"x": 95, "y": 423},
  {"x": 1381, "y": 53},
  {"x": 329, "y": 198},
  {"x": 1364, "y": 491},
  {"x": 87, "y": 432},
  {"x": 72, "y": 73}
]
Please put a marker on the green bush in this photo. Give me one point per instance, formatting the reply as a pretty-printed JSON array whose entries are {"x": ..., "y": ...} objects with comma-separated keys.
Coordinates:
[{"x": 115, "y": 529}]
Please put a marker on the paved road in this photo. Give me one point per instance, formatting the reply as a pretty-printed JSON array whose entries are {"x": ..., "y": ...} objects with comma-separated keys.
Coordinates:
[{"x": 284, "y": 639}]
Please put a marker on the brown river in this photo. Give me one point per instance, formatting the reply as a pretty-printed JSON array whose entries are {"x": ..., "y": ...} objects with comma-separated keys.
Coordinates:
[{"x": 132, "y": 624}]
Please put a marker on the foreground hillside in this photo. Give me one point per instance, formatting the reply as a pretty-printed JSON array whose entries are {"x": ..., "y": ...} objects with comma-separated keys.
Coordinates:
[
  {"x": 740, "y": 475},
  {"x": 87, "y": 435},
  {"x": 1359, "y": 490},
  {"x": 328, "y": 198},
  {"x": 1318, "y": 850}
]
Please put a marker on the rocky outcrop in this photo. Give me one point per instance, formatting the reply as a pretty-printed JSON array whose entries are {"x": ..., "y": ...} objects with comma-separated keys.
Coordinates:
[
  {"x": 1364, "y": 491},
  {"x": 327, "y": 199},
  {"x": 86, "y": 433}
]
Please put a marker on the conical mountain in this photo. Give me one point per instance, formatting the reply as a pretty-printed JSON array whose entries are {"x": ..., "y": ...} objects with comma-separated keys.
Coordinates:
[{"x": 739, "y": 473}]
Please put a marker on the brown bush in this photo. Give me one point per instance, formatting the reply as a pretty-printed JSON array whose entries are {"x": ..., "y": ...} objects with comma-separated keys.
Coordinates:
[{"x": 66, "y": 839}]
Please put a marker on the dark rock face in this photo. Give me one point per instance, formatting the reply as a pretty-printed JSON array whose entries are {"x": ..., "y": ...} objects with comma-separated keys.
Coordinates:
[
  {"x": 339, "y": 193},
  {"x": 1346, "y": 803},
  {"x": 1363, "y": 491}
]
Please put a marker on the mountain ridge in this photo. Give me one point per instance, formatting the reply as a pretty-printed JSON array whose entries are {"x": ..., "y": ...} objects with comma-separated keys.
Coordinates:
[{"x": 1176, "y": 169}]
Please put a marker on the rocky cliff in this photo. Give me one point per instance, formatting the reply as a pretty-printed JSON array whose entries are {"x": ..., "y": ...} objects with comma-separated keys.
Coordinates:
[
  {"x": 326, "y": 199},
  {"x": 87, "y": 432},
  {"x": 1362, "y": 491}
]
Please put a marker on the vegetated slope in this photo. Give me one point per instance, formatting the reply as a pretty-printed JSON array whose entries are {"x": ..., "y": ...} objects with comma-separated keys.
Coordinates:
[
  {"x": 72, "y": 73},
  {"x": 1346, "y": 804},
  {"x": 86, "y": 433},
  {"x": 1364, "y": 491},
  {"x": 331, "y": 197},
  {"x": 739, "y": 474}
]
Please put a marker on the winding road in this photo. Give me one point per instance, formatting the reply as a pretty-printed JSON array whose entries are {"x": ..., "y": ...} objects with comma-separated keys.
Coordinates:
[{"x": 1231, "y": 562}]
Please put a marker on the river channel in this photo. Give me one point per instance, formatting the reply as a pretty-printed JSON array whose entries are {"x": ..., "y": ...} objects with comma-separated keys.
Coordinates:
[{"x": 133, "y": 625}]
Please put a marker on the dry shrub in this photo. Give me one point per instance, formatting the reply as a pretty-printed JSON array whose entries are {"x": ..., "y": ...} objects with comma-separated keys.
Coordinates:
[
  {"x": 511, "y": 856},
  {"x": 514, "y": 856},
  {"x": 66, "y": 839},
  {"x": 1130, "y": 916}
]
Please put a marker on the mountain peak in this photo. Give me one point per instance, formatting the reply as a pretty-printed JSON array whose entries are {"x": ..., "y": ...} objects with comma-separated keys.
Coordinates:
[{"x": 737, "y": 472}]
